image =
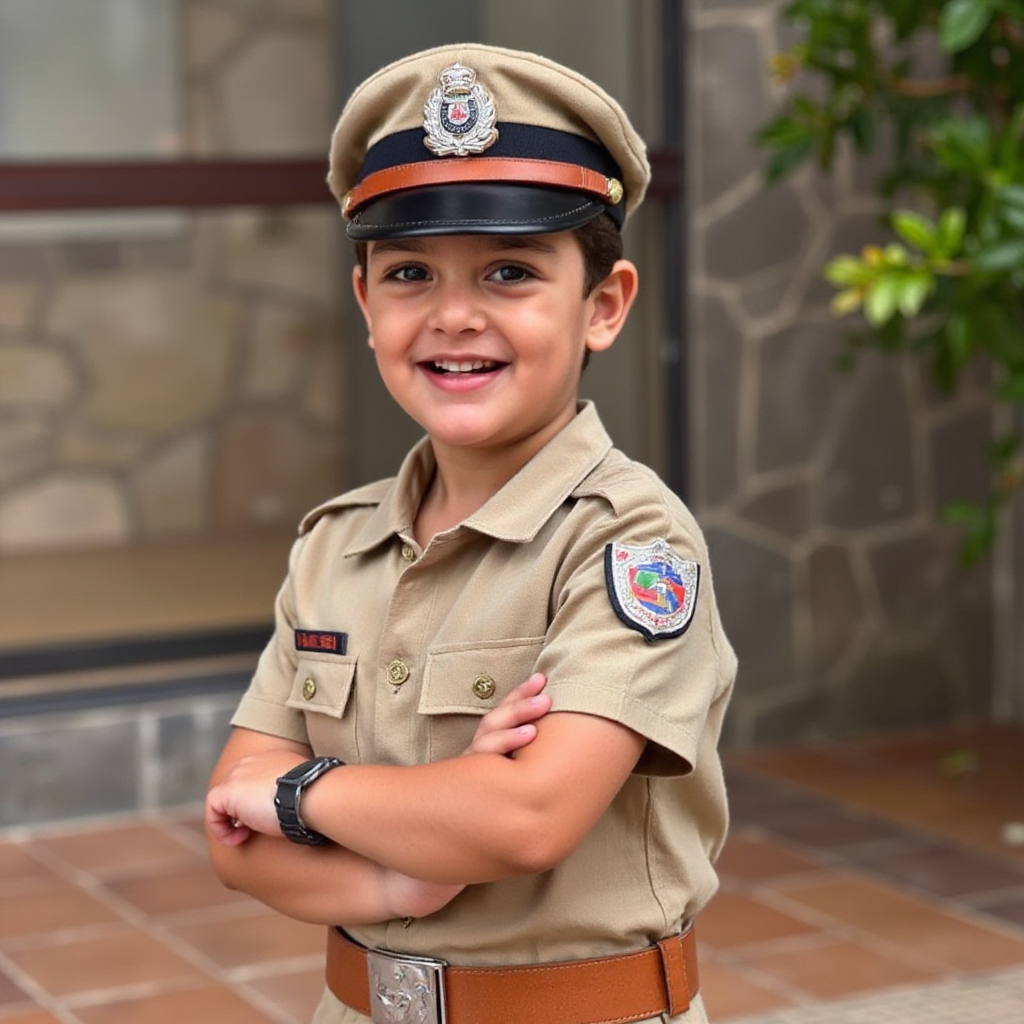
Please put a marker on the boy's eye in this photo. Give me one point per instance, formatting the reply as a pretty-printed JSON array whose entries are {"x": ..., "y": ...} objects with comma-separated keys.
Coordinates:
[
  {"x": 407, "y": 272},
  {"x": 509, "y": 273}
]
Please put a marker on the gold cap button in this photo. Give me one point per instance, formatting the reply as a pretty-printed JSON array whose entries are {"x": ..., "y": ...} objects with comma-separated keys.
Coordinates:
[
  {"x": 408, "y": 552},
  {"x": 615, "y": 191},
  {"x": 309, "y": 689},
  {"x": 398, "y": 672},
  {"x": 483, "y": 687},
  {"x": 405, "y": 921}
]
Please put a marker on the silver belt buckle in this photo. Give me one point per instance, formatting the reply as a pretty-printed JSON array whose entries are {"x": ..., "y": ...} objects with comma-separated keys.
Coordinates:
[{"x": 405, "y": 989}]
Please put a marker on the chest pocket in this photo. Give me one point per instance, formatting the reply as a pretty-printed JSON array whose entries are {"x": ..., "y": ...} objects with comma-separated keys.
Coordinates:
[
  {"x": 462, "y": 682},
  {"x": 322, "y": 691}
]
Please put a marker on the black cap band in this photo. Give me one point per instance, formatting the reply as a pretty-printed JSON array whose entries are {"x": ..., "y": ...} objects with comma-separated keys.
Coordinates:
[{"x": 485, "y": 208}]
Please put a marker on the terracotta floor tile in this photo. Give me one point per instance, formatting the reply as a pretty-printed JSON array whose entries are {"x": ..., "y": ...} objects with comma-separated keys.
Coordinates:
[
  {"x": 254, "y": 938},
  {"x": 18, "y": 866},
  {"x": 216, "y": 1005},
  {"x": 943, "y": 938},
  {"x": 10, "y": 993},
  {"x": 727, "y": 992},
  {"x": 941, "y": 869},
  {"x": 191, "y": 887},
  {"x": 111, "y": 852},
  {"x": 297, "y": 994},
  {"x": 802, "y": 763},
  {"x": 839, "y": 969},
  {"x": 732, "y": 920},
  {"x": 127, "y": 957},
  {"x": 1008, "y": 911},
  {"x": 830, "y": 826},
  {"x": 49, "y": 906},
  {"x": 751, "y": 859}
]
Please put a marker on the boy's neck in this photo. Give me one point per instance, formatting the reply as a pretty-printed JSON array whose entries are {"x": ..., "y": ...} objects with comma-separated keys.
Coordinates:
[{"x": 464, "y": 481}]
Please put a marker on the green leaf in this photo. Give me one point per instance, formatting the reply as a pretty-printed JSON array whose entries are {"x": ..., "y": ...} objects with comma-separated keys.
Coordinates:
[
  {"x": 1012, "y": 195},
  {"x": 913, "y": 291},
  {"x": 882, "y": 300},
  {"x": 1001, "y": 257},
  {"x": 962, "y": 23},
  {"x": 788, "y": 160},
  {"x": 979, "y": 525},
  {"x": 960, "y": 337},
  {"x": 847, "y": 272},
  {"x": 952, "y": 225},
  {"x": 914, "y": 229}
]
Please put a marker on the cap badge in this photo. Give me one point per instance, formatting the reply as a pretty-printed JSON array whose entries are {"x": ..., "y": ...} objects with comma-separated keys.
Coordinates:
[
  {"x": 459, "y": 116},
  {"x": 652, "y": 589}
]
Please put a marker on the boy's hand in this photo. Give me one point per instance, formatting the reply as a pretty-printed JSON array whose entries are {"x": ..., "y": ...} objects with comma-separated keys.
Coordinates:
[
  {"x": 510, "y": 725},
  {"x": 242, "y": 802}
]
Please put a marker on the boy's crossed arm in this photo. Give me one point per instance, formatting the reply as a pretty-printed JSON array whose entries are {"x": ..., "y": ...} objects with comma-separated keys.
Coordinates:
[
  {"x": 466, "y": 820},
  {"x": 332, "y": 885}
]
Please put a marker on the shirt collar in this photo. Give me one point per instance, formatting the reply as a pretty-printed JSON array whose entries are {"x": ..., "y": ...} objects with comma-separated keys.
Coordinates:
[{"x": 518, "y": 511}]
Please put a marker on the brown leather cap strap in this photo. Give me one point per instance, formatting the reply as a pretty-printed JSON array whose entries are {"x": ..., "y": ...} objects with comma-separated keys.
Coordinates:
[
  {"x": 520, "y": 170},
  {"x": 628, "y": 987}
]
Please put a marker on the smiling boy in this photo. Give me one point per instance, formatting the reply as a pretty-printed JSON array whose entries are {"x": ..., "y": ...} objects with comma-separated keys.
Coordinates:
[{"x": 486, "y": 189}]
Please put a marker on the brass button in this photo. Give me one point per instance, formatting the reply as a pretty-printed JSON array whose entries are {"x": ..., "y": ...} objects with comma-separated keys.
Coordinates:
[
  {"x": 405, "y": 921},
  {"x": 398, "y": 672},
  {"x": 408, "y": 552},
  {"x": 483, "y": 687},
  {"x": 309, "y": 689}
]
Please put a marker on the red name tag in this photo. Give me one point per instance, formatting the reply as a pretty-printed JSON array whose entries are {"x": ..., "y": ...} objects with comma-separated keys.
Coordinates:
[{"x": 319, "y": 640}]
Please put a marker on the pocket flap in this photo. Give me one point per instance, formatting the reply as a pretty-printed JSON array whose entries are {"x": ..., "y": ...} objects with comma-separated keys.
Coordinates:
[
  {"x": 322, "y": 685},
  {"x": 471, "y": 679}
]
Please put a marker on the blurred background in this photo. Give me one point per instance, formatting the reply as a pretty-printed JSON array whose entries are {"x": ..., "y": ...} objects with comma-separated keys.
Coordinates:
[{"x": 183, "y": 374}]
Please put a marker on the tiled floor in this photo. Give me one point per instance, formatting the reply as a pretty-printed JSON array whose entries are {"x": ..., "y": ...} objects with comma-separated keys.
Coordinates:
[{"x": 863, "y": 884}]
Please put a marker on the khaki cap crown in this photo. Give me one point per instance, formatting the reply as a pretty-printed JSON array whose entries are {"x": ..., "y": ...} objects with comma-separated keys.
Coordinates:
[{"x": 526, "y": 90}]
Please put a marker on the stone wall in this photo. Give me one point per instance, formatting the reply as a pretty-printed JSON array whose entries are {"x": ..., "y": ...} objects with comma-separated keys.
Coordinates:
[
  {"x": 187, "y": 382},
  {"x": 820, "y": 491}
]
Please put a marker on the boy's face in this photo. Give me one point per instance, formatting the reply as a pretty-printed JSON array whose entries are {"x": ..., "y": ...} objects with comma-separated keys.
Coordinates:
[{"x": 480, "y": 338}]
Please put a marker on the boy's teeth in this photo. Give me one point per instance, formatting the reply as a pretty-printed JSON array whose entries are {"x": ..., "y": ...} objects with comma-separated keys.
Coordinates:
[{"x": 463, "y": 366}]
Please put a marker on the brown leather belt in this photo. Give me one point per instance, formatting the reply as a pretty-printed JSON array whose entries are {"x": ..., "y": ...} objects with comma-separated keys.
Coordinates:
[{"x": 628, "y": 987}]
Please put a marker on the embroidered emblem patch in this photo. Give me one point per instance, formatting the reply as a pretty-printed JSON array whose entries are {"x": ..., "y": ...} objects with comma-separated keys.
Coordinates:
[
  {"x": 459, "y": 116},
  {"x": 652, "y": 589},
  {"x": 318, "y": 640}
]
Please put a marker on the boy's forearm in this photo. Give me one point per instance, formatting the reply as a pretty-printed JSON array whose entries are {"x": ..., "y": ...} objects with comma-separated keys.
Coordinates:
[
  {"x": 449, "y": 822},
  {"x": 483, "y": 817},
  {"x": 321, "y": 885}
]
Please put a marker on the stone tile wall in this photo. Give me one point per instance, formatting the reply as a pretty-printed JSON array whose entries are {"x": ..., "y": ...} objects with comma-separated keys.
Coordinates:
[
  {"x": 819, "y": 490},
  {"x": 189, "y": 382},
  {"x": 126, "y": 759}
]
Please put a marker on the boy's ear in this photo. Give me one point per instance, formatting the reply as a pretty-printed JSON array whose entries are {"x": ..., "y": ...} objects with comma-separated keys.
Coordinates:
[
  {"x": 359, "y": 287},
  {"x": 610, "y": 303}
]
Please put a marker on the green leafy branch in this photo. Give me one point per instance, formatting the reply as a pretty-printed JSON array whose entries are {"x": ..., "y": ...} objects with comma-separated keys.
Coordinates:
[{"x": 949, "y": 284}]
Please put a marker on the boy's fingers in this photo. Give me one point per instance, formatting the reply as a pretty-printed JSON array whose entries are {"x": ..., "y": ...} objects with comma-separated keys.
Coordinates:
[
  {"x": 530, "y": 688},
  {"x": 527, "y": 709},
  {"x": 505, "y": 741}
]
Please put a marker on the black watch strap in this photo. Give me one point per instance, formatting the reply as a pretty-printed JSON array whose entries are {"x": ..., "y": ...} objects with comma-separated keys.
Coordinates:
[{"x": 290, "y": 787}]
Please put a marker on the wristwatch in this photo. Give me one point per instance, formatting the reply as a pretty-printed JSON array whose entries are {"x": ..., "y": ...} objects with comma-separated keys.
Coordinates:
[{"x": 290, "y": 788}]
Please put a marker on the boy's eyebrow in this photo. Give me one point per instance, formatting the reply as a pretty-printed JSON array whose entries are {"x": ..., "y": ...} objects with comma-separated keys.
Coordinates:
[{"x": 498, "y": 243}]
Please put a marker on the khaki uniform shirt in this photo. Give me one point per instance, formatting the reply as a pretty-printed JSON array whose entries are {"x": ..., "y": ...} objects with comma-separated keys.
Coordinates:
[{"x": 435, "y": 638}]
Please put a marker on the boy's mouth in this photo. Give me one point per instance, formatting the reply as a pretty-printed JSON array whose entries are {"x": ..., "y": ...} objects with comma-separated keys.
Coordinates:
[{"x": 454, "y": 366}]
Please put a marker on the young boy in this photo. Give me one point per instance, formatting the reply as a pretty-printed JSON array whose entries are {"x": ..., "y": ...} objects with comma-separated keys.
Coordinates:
[{"x": 551, "y": 875}]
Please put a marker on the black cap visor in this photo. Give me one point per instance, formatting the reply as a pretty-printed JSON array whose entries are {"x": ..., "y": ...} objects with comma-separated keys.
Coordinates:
[{"x": 476, "y": 208}]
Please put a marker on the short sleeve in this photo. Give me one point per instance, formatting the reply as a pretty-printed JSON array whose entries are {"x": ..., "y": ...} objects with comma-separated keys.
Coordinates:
[
  {"x": 262, "y": 707},
  {"x": 596, "y": 663}
]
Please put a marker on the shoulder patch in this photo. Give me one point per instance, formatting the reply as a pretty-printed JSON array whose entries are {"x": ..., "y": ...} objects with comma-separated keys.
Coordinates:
[{"x": 652, "y": 589}]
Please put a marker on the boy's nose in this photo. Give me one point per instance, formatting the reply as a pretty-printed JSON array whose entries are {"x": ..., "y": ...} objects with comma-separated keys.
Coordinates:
[{"x": 456, "y": 310}]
